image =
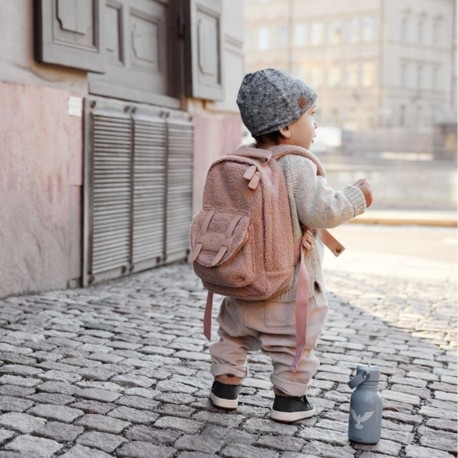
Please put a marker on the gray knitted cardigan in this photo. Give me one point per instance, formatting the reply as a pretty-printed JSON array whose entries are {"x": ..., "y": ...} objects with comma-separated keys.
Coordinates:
[{"x": 315, "y": 205}]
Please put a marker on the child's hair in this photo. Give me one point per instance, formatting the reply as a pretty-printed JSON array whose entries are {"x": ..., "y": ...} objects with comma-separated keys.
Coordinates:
[{"x": 267, "y": 139}]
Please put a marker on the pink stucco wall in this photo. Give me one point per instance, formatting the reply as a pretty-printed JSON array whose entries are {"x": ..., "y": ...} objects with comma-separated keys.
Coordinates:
[
  {"x": 40, "y": 182},
  {"x": 214, "y": 136}
]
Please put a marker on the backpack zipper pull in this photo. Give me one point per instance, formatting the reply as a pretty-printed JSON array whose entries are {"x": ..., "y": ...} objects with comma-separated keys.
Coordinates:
[
  {"x": 250, "y": 171},
  {"x": 255, "y": 181}
]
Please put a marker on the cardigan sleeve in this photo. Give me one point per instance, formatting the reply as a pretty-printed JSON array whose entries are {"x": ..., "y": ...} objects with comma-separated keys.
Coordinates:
[{"x": 318, "y": 205}]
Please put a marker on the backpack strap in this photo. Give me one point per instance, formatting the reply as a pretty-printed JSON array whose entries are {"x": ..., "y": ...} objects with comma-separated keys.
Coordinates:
[
  {"x": 302, "y": 295},
  {"x": 208, "y": 316},
  {"x": 253, "y": 153},
  {"x": 301, "y": 311}
]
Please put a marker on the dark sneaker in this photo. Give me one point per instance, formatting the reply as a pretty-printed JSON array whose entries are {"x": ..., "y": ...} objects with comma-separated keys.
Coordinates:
[
  {"x": 225, "y": 396},
  {"x": 288, "y": 409}
]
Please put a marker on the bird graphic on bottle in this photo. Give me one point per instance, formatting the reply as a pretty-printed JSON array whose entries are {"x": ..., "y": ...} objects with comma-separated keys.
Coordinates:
[{"x": 360, "y": 419}]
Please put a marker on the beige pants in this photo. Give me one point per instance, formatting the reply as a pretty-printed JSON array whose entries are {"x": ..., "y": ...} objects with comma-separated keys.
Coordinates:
[{"x": 269, "y": 326}]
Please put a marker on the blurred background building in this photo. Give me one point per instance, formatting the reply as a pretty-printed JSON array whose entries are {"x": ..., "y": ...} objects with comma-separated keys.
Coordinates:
[{"x": 385, "y": 70}]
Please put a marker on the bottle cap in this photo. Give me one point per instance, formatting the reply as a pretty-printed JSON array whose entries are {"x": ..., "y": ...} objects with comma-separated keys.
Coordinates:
[{"x": 372, "y": 372}]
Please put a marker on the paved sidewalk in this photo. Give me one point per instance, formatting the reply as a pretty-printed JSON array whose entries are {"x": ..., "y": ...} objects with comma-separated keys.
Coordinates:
[{"x": 122, "y": 369}]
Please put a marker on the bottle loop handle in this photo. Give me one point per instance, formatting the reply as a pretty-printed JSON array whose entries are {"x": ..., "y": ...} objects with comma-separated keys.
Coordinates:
[{"x": 358, "y": 379}]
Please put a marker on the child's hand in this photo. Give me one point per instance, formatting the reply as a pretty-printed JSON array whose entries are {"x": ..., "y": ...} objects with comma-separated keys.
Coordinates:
[
  {"x": 366, "y": 189},
  {"x": 307, "y": 239}
]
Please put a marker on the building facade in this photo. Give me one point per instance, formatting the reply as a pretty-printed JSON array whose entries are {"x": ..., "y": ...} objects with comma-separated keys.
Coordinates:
[
  {"x": 111, "y": 112},
  {"x": 376, "y": 64}
]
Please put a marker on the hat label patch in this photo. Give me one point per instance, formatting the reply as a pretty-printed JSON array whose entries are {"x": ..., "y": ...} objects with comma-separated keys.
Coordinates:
[{"x": 302, "y": 101}]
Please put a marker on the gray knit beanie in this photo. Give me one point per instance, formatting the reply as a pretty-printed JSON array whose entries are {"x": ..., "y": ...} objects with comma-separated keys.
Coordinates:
[{"x": 270, "y": 100}]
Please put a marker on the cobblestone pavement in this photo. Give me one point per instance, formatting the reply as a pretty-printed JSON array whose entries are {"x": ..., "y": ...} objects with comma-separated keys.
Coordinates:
[{"x": 122, "y": 369}]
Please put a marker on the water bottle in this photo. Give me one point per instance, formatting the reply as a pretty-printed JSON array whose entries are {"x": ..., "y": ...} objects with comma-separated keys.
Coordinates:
[{"x": 366, "y": 405}]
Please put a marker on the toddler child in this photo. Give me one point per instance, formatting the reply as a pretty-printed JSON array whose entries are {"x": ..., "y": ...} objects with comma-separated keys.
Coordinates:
[{"x": 278, "y": 110}]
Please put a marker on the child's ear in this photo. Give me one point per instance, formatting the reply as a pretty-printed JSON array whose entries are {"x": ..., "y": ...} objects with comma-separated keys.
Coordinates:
[{"x": 285, "y": 132}]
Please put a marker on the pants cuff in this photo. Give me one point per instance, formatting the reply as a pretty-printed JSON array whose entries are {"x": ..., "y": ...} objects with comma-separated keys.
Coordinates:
[
  {"x": 288, "y": 387},
  {"x": 227, "y": 369}
]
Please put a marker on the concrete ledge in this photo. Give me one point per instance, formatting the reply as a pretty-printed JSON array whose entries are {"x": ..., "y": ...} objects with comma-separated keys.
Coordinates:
[{"x": 408, "y": 217}]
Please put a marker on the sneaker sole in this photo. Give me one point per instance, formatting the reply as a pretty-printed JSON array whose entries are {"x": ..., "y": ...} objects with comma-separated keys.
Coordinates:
[
  {"x": 291, "y": 417},
  {"x": 228, "y": 404}
]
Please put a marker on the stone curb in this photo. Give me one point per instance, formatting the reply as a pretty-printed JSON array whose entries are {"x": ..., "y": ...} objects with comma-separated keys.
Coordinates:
[{"x": 415, "y": 218}]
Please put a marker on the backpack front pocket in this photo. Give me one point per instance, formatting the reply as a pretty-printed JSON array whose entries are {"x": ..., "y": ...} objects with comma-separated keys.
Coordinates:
[{"x": 221, "y": 248}]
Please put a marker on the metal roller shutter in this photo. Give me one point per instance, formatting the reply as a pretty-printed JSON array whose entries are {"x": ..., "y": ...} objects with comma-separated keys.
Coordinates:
[{"x": 138, "y": 187}]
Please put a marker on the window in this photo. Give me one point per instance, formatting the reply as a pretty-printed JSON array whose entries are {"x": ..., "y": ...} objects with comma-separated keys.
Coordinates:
[
  {"x": 351, "y": 75},
  {"x": 351, "y": 121},
  {"x": 435, "y": 113},
  {"x": 419, "y": 76},
  {"x": 334, "y": 119},
  {"x": 353, "y": 31},
  {"x": 317, "y": 33},
  {"x": 302, "y": 72},
  {"x": 402, "y": 115},
  {"x": 282, "y": 37},
  {"x": 404, "y": 74},
  {"x": 435, "y": 77},
  {"x": 368, "y": 29},
  {"x": 247, "y": 40},
  {"x": 300, "y": 35},
  {"x": 404, "y": 29},
  {"x": 366, "y": 119},
  {"x": 264, "y": 38},
  {"x": 437, "y": 37},
  {"x": 421, "y": 29},
  {"x": 316, "y": 79},
  {"x": 335, "y": 32},
  {"x": 418, "y": 117},
  {"x": 334, "y": 76},
  {"x": 368, "y": 74}
]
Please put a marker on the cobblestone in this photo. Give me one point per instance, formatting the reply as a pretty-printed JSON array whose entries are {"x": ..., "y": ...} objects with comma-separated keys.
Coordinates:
[
  {"x": 54, "y": 412},
  {"x": 38, "y": 447},
  {"x": 103, "y": 441},
  {"x": 102, "y": 423},
  {"x": 122, "y": 369},
  {"x": 60, "y": 432},
  {"x": 136, "y": 449},
  {"x": 21, "y": 422},
  {"x": 79, "y": 451}
]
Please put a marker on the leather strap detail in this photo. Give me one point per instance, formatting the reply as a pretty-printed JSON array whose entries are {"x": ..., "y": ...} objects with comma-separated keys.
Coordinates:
[
  {"x": 203, "y": 231},
  {"x": 232, "y": 224},
  {"x": 333, "y": 245},
  {"x": 255, "y": 181},
  {"x": 214, "y": 241},
  {"x": 250, "y": 171}
]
